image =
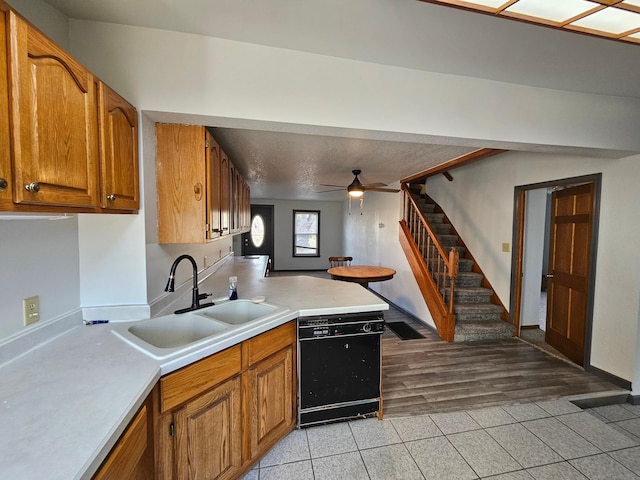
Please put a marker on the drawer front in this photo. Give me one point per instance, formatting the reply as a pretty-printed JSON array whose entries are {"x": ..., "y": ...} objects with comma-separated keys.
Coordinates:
[
  {"x": 182, "y": 385},
  {"x": 268, "y": 343}
]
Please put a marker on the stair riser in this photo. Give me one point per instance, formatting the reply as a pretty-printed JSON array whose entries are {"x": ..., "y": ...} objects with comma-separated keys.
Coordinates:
[
  {"x": 462, "y": 280},
  {"x": 468, "y": 332},
  {"x": 434, "y": 217},
  {"x": 464, "y": 265},
  {"x": 463, "y": 298},
  {"x": 448, "y": 240},
  {"x": 478, "y": 317},
  {"x": 441, "y": 228}
]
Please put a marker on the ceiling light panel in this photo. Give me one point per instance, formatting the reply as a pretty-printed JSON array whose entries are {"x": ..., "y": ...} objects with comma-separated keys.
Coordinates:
[
  {"x": 485, "y": 3},
  {"x": 611, "y": 20},
  {"x": 557, "y": 11}
]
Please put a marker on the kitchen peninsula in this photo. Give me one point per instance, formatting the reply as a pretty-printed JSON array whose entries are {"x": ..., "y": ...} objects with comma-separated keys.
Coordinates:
[{"x": 65, "y": 403}]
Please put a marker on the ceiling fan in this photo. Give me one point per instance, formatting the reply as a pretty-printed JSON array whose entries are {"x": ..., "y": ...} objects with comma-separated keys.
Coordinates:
[{"x": 356, "y": 188}]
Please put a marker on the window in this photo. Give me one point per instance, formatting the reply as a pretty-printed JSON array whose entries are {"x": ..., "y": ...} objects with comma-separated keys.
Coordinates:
[
  {"x": 306, "y": 233},
  {"x": 257, "y": 231}
]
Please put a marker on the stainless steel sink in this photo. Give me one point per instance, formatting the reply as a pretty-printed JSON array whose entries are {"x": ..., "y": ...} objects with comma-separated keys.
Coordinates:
[
  {"x": 175, "y": 330},
  {"x": 238, "y": 312}
]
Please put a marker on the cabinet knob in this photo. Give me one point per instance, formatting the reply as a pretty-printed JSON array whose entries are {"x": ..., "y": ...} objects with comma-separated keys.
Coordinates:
[
  {"x": 111, "y": 197},
  {"x": 33, "y": 187},
  {"x": 3, "y": 184}
]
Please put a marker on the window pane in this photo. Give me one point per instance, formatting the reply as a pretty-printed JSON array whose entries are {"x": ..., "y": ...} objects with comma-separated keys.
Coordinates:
[
  {"x": 257, "y": 231},
  {"x": 306, "y": 244},
  {"x": 306, "y": 233},
  {"x": 306, "y": 222}
]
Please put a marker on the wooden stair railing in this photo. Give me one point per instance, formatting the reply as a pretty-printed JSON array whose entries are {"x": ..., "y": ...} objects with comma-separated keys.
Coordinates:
[{"x": 435, "y": 270}]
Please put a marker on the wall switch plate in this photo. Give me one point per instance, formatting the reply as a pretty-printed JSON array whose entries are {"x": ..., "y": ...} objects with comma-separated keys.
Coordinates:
[
  {"x": 505, "y": 247},
  {"x": 31, "y": 310}
]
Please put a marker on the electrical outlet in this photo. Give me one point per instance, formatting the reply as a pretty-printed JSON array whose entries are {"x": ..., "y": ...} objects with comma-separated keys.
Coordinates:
[
  {"x": 505, "y": 247},
  {"x": 31, "y": 310}
]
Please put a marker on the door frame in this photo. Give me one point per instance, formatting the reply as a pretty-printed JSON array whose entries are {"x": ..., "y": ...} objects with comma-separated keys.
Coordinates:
[{"x": 517, "y": 254}]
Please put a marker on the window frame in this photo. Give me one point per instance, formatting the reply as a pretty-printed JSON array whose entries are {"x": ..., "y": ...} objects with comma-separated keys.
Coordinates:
[{"x": 295, "y": 234}]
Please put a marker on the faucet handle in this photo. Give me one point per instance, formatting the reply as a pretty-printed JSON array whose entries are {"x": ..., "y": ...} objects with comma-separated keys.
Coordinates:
[{"x": 202, "y": 296}]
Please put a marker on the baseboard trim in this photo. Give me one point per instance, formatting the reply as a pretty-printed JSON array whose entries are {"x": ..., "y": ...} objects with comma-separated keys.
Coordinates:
[
  {"x": 634, "y": 399},
  {"x": 620, "y": 382}
]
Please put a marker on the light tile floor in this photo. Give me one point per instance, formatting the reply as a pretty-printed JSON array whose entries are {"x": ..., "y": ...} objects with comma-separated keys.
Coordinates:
[{"x": 541, "y": 441}]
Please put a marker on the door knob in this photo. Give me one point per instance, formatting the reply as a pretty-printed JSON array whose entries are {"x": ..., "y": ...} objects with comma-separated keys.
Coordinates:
[{"x": 3, "y": 184}]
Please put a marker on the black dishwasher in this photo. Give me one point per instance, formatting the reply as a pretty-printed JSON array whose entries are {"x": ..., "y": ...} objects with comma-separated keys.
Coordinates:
[{"x": 339, "y": 367}]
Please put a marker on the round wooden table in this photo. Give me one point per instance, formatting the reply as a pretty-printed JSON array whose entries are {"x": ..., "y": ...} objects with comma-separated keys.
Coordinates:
[{"x": 362, "y": 274}]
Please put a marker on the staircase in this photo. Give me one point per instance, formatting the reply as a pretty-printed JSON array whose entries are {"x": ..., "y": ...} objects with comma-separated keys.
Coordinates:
[{"x": 476, "y": 310}]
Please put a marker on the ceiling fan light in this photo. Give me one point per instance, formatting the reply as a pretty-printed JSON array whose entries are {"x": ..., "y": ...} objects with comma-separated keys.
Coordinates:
[{"x": 356, "y": 189}]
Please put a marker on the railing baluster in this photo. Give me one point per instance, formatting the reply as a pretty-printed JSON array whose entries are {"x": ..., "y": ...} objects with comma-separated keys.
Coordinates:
[{"x": 442, "y": 266}]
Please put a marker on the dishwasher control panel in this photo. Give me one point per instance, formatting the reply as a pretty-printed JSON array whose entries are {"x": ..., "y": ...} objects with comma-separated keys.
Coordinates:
[{"x": 340, "y": 325}]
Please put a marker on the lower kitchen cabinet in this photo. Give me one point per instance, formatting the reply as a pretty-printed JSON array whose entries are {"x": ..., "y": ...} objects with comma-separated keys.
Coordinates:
[
  {"x": 132, "y": 456},
  {"x": 271, "y": 398},
  {"x": 208, "y": 434},
  {"x": 218, "y": 416}
]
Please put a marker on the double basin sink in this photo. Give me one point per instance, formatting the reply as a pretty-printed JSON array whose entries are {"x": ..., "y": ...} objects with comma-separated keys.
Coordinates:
[{"x": 169, "y": 335}]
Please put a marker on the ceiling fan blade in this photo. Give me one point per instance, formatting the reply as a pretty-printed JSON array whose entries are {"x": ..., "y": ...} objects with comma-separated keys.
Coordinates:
[
  {"x": 386, "y": 190},
  {"x": 334, "y": 190},
  {"x": 369, "y": 186},
  {"x": 339, "y": 186}
]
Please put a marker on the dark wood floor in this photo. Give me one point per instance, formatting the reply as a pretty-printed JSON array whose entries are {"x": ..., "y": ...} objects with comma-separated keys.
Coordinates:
[{"x": 429, "y": 375}]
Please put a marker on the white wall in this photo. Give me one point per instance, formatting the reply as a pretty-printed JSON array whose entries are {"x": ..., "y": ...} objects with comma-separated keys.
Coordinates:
[
  {"x": 371, "y": 238},
  {"x": 330, "y": 233},
  {"x": 50, "y": 21},
  {"x": 166, "y": 71},
  {"x": 479, "y": 202},
  {"x": 37, "y": 257}
]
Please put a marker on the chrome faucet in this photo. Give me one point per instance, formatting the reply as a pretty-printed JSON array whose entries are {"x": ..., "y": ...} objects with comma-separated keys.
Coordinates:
[{"x": 195, "y": 296}]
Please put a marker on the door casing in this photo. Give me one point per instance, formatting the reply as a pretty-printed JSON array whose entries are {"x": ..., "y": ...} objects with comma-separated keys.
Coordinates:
[{"x": 518, "y": 242}]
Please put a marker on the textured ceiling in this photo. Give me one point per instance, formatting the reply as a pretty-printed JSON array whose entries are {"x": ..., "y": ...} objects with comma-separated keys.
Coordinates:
[{"x": 292, "y": 165}]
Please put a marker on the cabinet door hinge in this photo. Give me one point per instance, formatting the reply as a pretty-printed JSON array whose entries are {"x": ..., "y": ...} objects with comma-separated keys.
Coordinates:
[
  {"x": 206, "y": 143},
  {"x": 172, "y": 429}
]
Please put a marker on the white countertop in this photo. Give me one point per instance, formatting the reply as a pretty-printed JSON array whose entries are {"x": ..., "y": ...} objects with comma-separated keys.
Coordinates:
[{"x": 64, "y": 404}]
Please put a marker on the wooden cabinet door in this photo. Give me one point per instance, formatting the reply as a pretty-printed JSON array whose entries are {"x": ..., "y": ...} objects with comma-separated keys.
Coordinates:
[
  {"x": 181, "y": 182},
  {"x": 6, "y": 177},
  {"x": 271, "y": 401},
  {"x": 118, "y": 152},
  {"x": 225, "y": 196},
  {"x": 213, "y": 188},
  {"x": 132, "y": 456},
  {"x": 209, "y": 434},
  {"x": 54, "y": 127}
]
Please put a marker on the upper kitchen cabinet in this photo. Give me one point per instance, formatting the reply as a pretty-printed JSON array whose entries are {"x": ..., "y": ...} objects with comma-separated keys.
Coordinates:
[
  {"x": 54, "y": 128},
  {"x": 68, "y": 143},
  {"x": 118, "y": 152},
  {"x": 195, "y": 186}
]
